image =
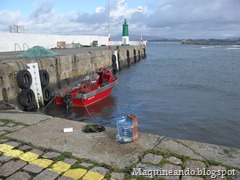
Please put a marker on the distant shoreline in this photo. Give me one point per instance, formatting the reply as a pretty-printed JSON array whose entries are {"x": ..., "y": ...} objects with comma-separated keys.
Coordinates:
[
  {"x": 200, "y": 42},
  {"x": 211, "y": 42}
]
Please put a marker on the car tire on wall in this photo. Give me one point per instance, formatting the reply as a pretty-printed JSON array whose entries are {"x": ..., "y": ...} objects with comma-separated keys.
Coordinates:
[
  {"x": 24, "y": 79},
  {"x": 44, "y": 77},
  {"x": 47, "y": 94},
  {"x": 27, "y": 98}
]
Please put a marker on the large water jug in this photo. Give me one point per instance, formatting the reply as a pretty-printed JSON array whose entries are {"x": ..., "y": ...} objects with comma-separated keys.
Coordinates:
[{"x": 124, "y": 128}]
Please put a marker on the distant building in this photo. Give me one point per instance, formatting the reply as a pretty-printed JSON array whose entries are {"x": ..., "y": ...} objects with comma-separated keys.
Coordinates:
[{"x": 16, "y": 29}]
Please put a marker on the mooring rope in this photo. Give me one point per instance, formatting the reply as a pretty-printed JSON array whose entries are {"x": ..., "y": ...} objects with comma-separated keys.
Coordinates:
[{"x": 88, "y": 110}]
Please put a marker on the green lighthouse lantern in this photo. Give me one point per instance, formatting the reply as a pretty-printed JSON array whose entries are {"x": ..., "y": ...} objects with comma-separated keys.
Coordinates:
[{"x": 125, "y": 36}]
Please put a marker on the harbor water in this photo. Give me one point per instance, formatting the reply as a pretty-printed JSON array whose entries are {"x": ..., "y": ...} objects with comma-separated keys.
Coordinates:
[{"x": 182, "y": 91}]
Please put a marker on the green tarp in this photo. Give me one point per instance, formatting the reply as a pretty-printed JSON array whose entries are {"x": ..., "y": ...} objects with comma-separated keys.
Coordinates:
[{"x": 37, "y": 52}]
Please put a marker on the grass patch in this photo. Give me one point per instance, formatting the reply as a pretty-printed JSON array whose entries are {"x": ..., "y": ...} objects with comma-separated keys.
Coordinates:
[
  {"x": 77, "y": 165},
  {"x": 7, "y": 121},
  {"x": 212, "y": 162},
  {"x": 63, "y": 156}
]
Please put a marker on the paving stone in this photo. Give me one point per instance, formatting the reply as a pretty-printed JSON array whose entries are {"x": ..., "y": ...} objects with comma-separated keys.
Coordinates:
[
  {"x": 13, "y": 153},
  {"x": 4, "y": 158},
  {"x": 3, "y": 140},
  {"x": 46, "y": 174},
  {"x": 44, "y": 163},
  {"x": 195, "y": 165},
  {"x": 51, "y": 155},
  {"x": 152, "y": 158},
  {"x": 10, "y": 124},
  {"x": 5, "y": 148},
  {"x": 19, "y": 176},
  {"x": 4, "y": 128},
  {"x": 28, "y": 156},
  {"x": 32, "y": 168},
  {"x": 84, "y": 164},
  {"x": 144, "y": 169},
  {"x": 191, "y": 178},
  {"x": 117, "y": 176},
  {"x": 70, "y": 161},
  {"x": 75, "y": 173},
  {"x": 60, "y": 167},
  {"x": 216, "y": 169},
  {"x": 24, "y": 147},
  {"x": 100, "y": 170},
  {"x": 15, "y": 128},
  {"x": 3, "y": 132},
  {"x": 11, "y": 167},
  {"x": 13, "y": 143},
  {"x": 171, "y": 168},
  {"x": 2, "y": 123},
  {"x": 37, "y": 151},
  {"x": 65, "y": 178},
  {"x": 174, "y": 160},
  {"x": 92, "y": 175},
  {"x": 236, "y": 176}
]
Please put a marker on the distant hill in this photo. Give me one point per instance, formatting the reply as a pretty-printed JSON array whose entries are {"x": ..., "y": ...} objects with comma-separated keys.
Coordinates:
[
  {"x": 133, "y": 37},
  {"x": 235, "y": 41}
]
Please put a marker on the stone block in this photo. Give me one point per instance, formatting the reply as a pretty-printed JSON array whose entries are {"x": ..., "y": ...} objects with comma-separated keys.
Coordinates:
[
  {"x": 174, "y": 160},
  {"x": 45, "y": 63},
  {"x": 19, "y": 176},
  {"x": 11, "y": 167},
  {"x": 152, "y": 158},
  {"x": 28, "y": 156},
  {"x": 117, "y": 176},
  {"x": 51, "y": 155},
  {"x": 44, "y": 163},
  {"x": 100, "y": 170},
  {"x": 60, "y": 167},
  {"x": 46, "y": 174},
  {"x": 65, "y": 59},
  {"x": 172, "y": 168},
  {"x": 75, "y": 173},
  {"x": 32, "y": 168},
  {"x": 5, "y": 69},
  {"x": 93, "y": 175},
  {"x": 194, "y": 165}
]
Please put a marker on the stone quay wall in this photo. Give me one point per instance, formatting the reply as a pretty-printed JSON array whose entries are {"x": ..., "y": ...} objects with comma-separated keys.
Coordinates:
[{"x": 65, "y": 69}]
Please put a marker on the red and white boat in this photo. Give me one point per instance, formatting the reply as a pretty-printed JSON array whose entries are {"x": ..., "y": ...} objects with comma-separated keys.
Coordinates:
[{"x": 89, "y": 92}]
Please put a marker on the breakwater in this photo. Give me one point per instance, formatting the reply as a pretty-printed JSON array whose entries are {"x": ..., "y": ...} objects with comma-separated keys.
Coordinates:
[{"x": 70, "y": 65}]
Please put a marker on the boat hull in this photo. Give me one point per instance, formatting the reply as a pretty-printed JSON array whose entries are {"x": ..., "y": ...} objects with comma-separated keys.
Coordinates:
[{"x": 86, "y": 99}]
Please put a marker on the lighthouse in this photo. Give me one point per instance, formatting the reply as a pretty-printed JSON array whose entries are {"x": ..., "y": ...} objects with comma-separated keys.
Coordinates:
[{"x": 125, "y": 36}]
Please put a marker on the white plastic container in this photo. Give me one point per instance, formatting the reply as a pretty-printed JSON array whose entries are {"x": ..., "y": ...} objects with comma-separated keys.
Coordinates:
[
  {"x": 125, "y": 129},
  {"x": 66, "y": 130}
]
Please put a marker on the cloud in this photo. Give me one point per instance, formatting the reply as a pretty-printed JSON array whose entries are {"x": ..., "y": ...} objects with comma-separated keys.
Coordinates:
[
  {"x": 8, "y": 18},
  {"x": 165, "y": 18},
  {"x": 187, "y": 16}
]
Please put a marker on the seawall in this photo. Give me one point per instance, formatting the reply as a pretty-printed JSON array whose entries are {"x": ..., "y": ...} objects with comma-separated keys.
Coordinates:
[{"x": 70, "y": 65}]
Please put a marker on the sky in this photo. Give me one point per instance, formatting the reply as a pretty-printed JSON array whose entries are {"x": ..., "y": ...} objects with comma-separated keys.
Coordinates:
[{"x": 181, "y": 19}]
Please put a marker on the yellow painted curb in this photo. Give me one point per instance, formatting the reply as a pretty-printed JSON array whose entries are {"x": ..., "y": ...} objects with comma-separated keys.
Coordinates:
[
  {"x": 28, "y": 156},
  {"x": 93, "y": 175},
  {"x": 5, "y": 148},
  {"x": 13, "y": 153},
  {"x": 75, "y": 173},
  {"x": 60, "y": 167},
  {"x": 42, "y": 162}
]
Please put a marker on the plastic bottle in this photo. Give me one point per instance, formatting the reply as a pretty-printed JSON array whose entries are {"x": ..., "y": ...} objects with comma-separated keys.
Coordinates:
[{"x": 124, "y": 128}]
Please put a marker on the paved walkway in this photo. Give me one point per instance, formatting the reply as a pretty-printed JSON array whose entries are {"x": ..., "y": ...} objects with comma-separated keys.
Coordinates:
[{"x": 39, "y": 149}]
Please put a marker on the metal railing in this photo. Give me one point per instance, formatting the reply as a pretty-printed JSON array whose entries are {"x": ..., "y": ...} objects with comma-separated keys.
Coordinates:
[
  {"x": 25, "y": 45},
  {"x": 17, "y": 45}
]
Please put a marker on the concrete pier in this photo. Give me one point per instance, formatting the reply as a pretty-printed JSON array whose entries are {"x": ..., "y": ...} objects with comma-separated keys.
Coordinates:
[
  {"x": 35, "y": 147},
  {"x": 71, "y": 64}
]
